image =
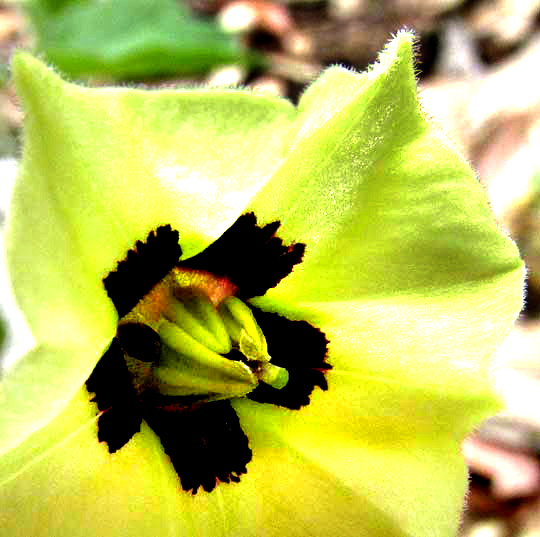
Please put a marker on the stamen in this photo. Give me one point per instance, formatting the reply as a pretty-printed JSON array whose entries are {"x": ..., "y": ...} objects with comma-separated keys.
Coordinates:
[
  {"x": 198, "y": 317},
  {"x": 195, "y": 356},
  {"x": 206, "y": 312},
  {"x": 244, "y": 330},
  {"x": 197, "y": 323},
  {"x": 175, "y": 382}
]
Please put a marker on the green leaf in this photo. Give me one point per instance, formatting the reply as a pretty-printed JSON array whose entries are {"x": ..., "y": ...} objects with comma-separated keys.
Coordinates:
[
  {"x": 55, "y": 5},
  {"x": 130, "y": 38},
  {"x": 405, "y": 271}
]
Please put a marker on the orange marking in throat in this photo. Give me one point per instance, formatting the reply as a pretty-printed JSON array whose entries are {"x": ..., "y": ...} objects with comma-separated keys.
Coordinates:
[
  {"x": 216, "y": 288},
  {"x": 151, "y": 307}
]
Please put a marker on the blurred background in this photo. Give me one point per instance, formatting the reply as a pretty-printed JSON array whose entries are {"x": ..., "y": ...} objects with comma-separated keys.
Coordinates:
[{"x": 479, "y": 76}]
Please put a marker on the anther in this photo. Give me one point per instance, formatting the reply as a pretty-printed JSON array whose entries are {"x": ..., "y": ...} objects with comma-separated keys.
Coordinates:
[
  {"x": 193, "y": 368},
  {"x": 199, "y": 318},
  {"x": 244, "y": 330}
]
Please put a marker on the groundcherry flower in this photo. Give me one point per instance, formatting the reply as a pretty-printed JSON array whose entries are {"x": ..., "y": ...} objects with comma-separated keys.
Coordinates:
[{"x": 251, "y": 318}]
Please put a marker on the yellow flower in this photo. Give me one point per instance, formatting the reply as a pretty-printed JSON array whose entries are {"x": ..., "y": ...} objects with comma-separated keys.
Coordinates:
[{"x": 398, "y": 265}]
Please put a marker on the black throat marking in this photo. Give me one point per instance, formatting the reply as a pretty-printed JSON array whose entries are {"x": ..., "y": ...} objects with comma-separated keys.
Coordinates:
[{"x": 205, "y": 442}]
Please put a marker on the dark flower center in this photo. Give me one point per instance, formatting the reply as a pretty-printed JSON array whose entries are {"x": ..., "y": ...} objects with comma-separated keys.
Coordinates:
[{"x": 188, "y": 341}]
